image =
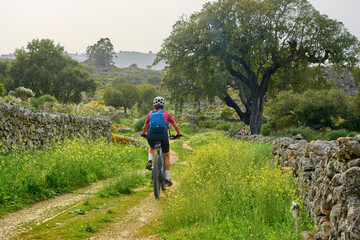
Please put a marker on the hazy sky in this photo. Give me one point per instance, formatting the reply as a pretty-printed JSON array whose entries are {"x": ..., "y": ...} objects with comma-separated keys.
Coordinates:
[{"x": 131, "y": 25}]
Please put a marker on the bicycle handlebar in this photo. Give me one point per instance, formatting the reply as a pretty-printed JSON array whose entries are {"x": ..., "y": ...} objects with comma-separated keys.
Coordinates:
[
  {"x": 171, "y": 136},
  {"x": 175, "y": 136}
]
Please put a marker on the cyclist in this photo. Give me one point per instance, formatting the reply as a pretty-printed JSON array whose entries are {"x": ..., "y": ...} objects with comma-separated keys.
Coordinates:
[{"x": 161, "y": 135}]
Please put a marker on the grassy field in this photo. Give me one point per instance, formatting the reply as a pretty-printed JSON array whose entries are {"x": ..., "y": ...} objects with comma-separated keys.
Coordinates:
[
  {"x": 33, "y": 175},
  {"x": 232, "y": 190}
]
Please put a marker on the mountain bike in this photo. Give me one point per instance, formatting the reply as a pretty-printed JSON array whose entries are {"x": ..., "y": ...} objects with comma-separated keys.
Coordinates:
[{"x": 158, "y": 171}]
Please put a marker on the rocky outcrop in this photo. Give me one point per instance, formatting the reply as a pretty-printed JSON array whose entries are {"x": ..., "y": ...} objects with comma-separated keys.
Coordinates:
[
  {"x": 24, "y": 129},
  {"x": 329, "y": 179}
]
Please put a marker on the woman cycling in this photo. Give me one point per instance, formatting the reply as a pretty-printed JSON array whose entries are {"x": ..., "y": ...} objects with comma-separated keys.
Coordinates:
[{"x": 158, "y": 133}]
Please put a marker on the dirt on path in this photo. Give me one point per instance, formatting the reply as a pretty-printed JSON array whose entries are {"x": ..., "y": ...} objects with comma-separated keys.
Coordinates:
[
  {"x": 147, "y": 211},
  {"x": 13, "y": 224}
]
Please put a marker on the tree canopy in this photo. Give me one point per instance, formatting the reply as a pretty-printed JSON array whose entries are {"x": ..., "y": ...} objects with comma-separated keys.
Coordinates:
[
  {"x": 239, "y": 45},
  {"x": 121, "y": 95},
  {"x": 101, "y": 54},
  {"x": 44, "y": 68}
]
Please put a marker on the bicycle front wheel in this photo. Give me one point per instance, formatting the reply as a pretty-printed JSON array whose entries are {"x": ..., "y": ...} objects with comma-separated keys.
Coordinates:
[{"x": 156, "y": 175}]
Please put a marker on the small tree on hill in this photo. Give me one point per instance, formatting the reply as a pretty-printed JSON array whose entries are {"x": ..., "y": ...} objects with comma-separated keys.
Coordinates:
[{"x": 102, "y": 53}]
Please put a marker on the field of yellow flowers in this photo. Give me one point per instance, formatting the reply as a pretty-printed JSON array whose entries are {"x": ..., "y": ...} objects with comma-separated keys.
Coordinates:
[
  {"x": 232, "y": 190},
  {"x": 33, "y": 175}
]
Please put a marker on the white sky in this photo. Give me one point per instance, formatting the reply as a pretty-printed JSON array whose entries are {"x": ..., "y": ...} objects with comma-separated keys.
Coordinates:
[{"x": 131, "y": 25}]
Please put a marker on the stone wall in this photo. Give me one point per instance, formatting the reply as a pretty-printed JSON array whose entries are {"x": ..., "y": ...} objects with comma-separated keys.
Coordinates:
[
  {"x": 22, "y": 128},
  {"x": 329, "y": 179}
]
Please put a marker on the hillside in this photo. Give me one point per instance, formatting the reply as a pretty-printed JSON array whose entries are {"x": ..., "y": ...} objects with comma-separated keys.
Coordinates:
[{"x": 123, "y": 59}]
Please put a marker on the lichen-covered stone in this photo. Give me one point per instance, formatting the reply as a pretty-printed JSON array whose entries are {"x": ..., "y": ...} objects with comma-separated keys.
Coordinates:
[{"x": 22, "y": 128}]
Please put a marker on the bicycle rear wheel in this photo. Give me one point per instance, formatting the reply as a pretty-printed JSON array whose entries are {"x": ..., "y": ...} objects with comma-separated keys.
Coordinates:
[{"x": 156, "y": 171}]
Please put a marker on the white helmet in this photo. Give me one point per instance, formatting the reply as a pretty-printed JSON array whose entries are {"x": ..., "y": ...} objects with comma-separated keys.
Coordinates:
[{"x": 159, "y": 101}]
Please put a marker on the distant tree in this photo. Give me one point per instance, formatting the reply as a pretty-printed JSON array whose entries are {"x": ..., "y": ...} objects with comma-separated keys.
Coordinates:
[
  {"x": 5, "y": 78},
  {"x": 123, "y": 95},
  {"x": 113, "y": 97},
  {"x": 130, "y": 94},
  {"x": 133, "y": 66},
  {"x": 147, "y": 93},
  {"x": 45, "y": 69},
  {"x": 154, "y": 80},
  {"x": 102, "y": 53},
  {"x": 240, "y": 45}
]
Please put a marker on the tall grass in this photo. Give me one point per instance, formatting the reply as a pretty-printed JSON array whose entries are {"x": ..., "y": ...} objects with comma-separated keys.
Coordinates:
[
  {"x": 33, "y": 175},
  {"x": 232, "y": 190}
]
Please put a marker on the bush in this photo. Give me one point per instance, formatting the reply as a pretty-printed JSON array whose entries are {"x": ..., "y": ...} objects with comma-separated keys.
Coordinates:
[
  {"x": 140, "y": 123},
  {"x": 333, "y": 135},
  {"x": 2, "y": 90},
  {"x": 267, "y": 128},
  {"x": 224, "y": 125},
  {"x": 23, "y": 93},
  {"x": 36, "y": 102},
  {"x": 312, "y": 108}
]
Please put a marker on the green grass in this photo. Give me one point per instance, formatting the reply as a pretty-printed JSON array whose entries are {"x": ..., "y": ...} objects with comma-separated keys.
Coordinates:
[
  {"x": 28, "y": 176},
  {"x": 100, "y": 212},
  {"x": 125, "y": 184},
  {"x": 232, "y": 190}
]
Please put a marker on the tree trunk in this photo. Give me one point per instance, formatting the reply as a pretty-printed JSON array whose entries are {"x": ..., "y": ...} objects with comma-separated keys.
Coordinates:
[{"x": 257, "y": 108}]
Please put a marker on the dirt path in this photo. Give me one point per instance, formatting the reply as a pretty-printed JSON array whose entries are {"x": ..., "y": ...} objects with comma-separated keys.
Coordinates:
[
  {"x": 14, "y": 224},
  {"x": 149, "y": 210}
]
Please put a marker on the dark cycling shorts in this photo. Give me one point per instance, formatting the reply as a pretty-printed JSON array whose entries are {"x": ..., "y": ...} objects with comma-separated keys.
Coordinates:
[{"x": 152, "y": 138}]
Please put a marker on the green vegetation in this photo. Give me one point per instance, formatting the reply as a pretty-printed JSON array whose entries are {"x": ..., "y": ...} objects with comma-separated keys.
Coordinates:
[
  {"x": 232, "y": 196},
  {"x": 310, "y": 134},
  {"x": 239, "y": 45},
  {"x": 33, "y": 175},
  {"x": 45, "y": 69},
  {"x": 125, "y": 184},
  {"x": 101, "y": 54}
]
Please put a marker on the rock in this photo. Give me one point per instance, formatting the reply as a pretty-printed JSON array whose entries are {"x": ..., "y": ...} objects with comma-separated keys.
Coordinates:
[
  {"x": 298, "y": 137},
  {"x": 354, "y": 163},
  {"x": 306, "y": 235},
  {"x": 299, "y": 145},
  {"x": 355, "y": 229},
  {"x": 351, "y": 177}
]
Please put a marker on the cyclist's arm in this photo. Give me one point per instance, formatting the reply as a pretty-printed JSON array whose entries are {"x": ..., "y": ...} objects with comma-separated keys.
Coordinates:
[
  {"x": 176, "y": 128},
  {"x": 145, "y": 127}
]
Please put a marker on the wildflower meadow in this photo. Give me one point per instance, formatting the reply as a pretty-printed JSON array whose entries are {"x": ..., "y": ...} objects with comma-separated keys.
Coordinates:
[
  {"x": 33, "y": 175},
  {"x": 232, "y": 190}
]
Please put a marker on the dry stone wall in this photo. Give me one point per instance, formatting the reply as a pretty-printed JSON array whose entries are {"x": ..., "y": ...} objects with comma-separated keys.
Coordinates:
[
  {"x": 22, "y": 128},
  {"x": 329, "y": 179}
]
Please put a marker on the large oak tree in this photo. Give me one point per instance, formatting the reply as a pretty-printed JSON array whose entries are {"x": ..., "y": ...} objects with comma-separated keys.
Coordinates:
[{"x": 238, "y": 45}]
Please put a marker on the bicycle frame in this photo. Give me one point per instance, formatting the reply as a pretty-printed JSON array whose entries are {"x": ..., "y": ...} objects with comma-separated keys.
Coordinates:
[{"x": 158, "y": 173}]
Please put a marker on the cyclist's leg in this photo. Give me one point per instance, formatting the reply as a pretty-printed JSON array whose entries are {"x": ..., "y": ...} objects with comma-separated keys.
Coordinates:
[
  {"x": 166, "y": 160},
  {"x": 166, "y": 148},
  {"x": 151, "y": 141}
]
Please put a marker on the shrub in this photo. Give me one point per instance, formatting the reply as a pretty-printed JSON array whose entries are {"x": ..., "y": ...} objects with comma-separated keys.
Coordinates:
[
  {"x": 224, "y": 125},
  {"x": 23, "y": 93},
  {"x": 36, "y": 102},
  {"x": 140, "y": 123},
  {"x": 333, "y": 135},
  {"x": 267, "y": 128},
  {"x": 2, "y": 90},
  {"x": 312, "y": 108}
]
